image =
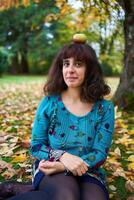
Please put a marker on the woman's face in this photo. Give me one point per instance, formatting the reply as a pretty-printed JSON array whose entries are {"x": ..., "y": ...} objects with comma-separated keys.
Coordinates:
[{"x": 73, "y": 72}]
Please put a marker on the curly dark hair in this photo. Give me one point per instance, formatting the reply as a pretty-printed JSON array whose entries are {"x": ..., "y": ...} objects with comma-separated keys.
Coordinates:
[{"x": 93, "y": 88}]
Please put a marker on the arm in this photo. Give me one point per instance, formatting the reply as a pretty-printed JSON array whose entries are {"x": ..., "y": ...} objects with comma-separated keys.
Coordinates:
[
  {"x": 103, "y": 139},
  {"x": 39, "y": 142}
]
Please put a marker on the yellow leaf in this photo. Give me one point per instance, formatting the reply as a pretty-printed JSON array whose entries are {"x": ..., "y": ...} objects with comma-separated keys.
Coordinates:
[
  {"x": 20, "y": 158},
  {"x": 131, "y": 166},
  {"x": 26, "y": 2},
  {"x": 124, "y": 140},
  {"x": 131, "y": 132},
  {"x": 112, "y": 187},
  {"x": 117, "y": 151},
  {"x": 111, "y": 195},
  {"x": 131, "y": 158}
]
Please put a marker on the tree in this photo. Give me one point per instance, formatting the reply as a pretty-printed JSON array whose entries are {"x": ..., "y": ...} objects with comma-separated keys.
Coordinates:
[
  {"x": 124, "y": 96},
  {"x": 20, "y": 32}
]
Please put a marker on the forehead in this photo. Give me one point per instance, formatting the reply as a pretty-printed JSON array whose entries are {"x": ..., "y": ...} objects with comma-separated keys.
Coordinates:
[{"x": 72, "y": 59}]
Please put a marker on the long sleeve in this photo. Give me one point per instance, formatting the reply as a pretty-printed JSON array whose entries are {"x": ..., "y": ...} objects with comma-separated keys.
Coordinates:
[
  {"x": 39, "y": 141},
  {"x": 40, "y": 148},
  {"x": 103, "y": 138}
]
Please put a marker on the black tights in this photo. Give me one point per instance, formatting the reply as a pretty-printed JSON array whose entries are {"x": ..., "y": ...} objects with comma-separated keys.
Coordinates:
[{"x": 61, "y": 187}]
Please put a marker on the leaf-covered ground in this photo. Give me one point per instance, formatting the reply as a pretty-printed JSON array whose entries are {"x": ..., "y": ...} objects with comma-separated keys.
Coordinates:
[{"x": 19, "y": 98}]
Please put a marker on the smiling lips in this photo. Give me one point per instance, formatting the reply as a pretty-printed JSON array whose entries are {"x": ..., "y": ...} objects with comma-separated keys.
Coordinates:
[{"x": 71, "y": 78}]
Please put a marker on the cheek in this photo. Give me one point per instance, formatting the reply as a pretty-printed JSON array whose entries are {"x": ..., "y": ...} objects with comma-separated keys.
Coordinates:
[
  {"x": 63, "y": 72},
  {"x": 83, "y": 73}
]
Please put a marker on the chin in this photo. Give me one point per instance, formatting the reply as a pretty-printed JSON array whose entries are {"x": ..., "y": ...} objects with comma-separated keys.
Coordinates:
[{"x": 73, "y": 85}]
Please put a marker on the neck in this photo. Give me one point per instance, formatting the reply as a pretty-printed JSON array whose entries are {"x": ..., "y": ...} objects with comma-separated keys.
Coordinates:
[{"x": 72, "y": 94}]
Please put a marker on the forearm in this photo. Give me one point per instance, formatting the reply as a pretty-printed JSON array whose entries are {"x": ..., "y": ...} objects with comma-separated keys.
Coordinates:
[
  {"x": 94, "y": 159},
  {"x": 40, "y": 151},
  {"x": 44, "y": 152}
]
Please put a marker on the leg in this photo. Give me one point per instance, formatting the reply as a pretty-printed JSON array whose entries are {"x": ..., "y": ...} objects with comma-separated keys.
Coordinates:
[
  {"x": 60, "y": 187},
  {"x": 90, "y": 191},
  {"x": 34, "y": 195}
]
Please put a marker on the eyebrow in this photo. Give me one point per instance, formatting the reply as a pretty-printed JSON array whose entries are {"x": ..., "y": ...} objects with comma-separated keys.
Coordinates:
[{"x": 65, "y": 60}]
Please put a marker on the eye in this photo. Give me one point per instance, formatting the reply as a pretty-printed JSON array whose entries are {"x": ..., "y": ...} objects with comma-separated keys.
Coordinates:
[
  {"x": 66, "y": 64},
  {"x": 78, "y": 64}
]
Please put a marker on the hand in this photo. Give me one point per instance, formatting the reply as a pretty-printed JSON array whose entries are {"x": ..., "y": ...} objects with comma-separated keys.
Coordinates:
[
  {"x": 74, "y": 164},
  {"x": 51, "y": 167}
]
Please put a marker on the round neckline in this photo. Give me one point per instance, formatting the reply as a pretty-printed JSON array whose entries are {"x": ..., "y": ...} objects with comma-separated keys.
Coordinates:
[{"x": 72, "y": 114}]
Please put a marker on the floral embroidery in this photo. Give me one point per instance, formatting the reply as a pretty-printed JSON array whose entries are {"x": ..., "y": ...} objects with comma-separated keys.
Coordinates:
[
  {"x": 52, "y": 132},
  {"x": 36, "y": 147},
  {"x": 80, "y": 134},
  {"x": 62, "y": 135},
  {"x": 107, "y": 125},
  {"x": 73, "y": 127},
  {"x": 100, "y": 109},
  {"x": 91, "y": 158},
  {"x": 89, "y": 139}
]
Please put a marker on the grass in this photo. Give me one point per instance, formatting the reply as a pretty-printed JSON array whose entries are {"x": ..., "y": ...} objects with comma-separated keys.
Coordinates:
[
  {"x": 12, "y": 79},
  {"x": 8, "y": 79}
]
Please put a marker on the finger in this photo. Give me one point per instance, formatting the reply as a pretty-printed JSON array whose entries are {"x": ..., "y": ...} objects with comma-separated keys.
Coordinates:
[
  {"x": 46, "y": 171},
  {"x": 41, "y": 163},
  {"x": 85, "y": 168},
  {"x": 74, "y": 172},
  {"x": 79, "y": 172}
]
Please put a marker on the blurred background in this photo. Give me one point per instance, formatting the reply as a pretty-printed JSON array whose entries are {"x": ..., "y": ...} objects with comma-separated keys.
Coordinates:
[{"x": 31, "y": 33}]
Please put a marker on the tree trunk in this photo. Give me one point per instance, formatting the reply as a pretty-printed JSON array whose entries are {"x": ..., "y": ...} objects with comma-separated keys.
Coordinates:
[
  {"x": 24, "y": 67},
  {"x": 124, "y": 96},
  {"x": 14, "y": 69}
]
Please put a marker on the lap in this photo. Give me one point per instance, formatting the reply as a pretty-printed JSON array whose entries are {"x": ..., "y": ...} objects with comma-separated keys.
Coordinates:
[
  {"x": 59, "y": 187},
  {"x": 59, "y": 182}
]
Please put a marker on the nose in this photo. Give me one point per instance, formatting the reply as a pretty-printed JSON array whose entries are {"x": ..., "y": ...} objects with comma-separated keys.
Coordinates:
[{"x": 71, "y": 68}]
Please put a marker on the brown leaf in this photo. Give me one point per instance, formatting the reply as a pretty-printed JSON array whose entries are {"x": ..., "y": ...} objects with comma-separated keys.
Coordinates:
[
  {"x": 131, "y": 197},
  {"x": 9, "y": 173},
  {"x": 129, "y": 186}
]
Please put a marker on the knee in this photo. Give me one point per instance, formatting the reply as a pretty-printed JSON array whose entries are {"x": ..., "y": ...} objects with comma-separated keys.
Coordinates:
[{"x": 66, "y": 194}]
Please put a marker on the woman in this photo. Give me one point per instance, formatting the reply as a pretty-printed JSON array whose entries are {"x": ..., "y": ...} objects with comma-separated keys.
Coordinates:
[{"x": 73, "y": 127}]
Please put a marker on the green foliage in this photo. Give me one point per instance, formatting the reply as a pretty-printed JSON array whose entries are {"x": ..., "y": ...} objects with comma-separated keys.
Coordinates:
[
  {"x": 111, "y": 66},
  {"x": 27, "y": 36},
  {"x": 34, "y": 42}
]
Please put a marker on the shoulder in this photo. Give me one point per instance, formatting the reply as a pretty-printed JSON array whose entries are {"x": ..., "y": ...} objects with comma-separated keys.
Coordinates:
[
  {"x": 46, "y": 102},
  {"x": 48, "y": 99},
  {"x": 106, "y": 103},
  {"x": 105, "y": 106}
]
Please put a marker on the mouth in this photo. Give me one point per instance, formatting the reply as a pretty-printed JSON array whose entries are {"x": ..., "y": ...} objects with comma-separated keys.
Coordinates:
[{"x": 71, "y": 77}]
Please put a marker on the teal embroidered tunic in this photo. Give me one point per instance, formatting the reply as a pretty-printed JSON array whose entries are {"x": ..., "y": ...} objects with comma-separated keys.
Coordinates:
[{"x": 88, "y": 136}]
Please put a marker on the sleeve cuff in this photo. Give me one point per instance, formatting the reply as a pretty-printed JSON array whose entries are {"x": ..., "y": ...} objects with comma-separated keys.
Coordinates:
[{"x": 54, "y": 155}]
